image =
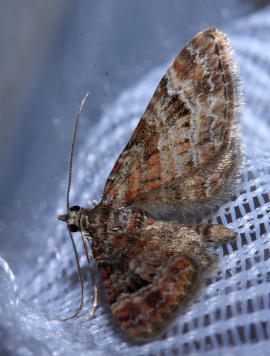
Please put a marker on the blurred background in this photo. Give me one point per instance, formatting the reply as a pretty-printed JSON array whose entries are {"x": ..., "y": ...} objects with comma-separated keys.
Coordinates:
[{"x": 52, "y": 52}]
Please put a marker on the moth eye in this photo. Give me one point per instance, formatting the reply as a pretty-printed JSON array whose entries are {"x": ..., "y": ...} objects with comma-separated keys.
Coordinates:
[
  {"x": 75, "y": 208},
  {"x": 73, "y": 228}
]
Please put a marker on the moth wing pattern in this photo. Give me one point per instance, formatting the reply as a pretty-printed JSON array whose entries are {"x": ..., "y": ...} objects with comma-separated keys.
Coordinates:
[
  {"x": 186, "y": 142},
  {"x": 150, "y": 268},
  {"x": 183, "y": 153}
]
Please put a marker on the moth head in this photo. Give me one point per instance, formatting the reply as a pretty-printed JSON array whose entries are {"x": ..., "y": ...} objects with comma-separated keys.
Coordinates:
[{"x": 72, "y": 218}]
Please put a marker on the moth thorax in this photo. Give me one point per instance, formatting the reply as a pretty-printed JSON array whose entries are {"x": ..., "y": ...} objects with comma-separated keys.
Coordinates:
[{"x": 84, "y": 221}]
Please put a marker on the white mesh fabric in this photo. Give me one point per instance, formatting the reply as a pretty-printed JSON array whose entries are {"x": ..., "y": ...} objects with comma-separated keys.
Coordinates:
[{"x": 231, "y": 314}]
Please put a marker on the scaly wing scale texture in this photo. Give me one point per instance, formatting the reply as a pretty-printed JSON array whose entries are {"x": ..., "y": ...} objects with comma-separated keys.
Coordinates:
[
  {"x": 186, "y": 135},
  {"x": 149, "y": 267}
]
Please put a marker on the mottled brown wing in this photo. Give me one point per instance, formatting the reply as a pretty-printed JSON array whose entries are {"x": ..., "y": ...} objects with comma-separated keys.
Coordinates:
[
  {"x": 189, "y": 123},
  {"x": 150, "y": 269}
]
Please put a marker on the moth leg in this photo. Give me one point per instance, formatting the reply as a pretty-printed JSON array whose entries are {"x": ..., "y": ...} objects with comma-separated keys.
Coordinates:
[{"x": 214, "y": 233}]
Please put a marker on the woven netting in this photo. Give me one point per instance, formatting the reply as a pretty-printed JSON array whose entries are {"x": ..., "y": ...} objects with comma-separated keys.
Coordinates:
[{"x": 230, "y": 314}]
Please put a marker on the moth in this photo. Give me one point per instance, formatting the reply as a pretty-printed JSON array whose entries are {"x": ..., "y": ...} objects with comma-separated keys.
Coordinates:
[{"x": 182, "y": 157}]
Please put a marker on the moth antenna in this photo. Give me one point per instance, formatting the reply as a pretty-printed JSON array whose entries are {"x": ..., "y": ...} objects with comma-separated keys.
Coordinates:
[
  {"x": 68, "y": 192},
  {"x": 73, "y": 146},
  {"x": 89, "y": 258},
  {"x": 80, "y": 278}
]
